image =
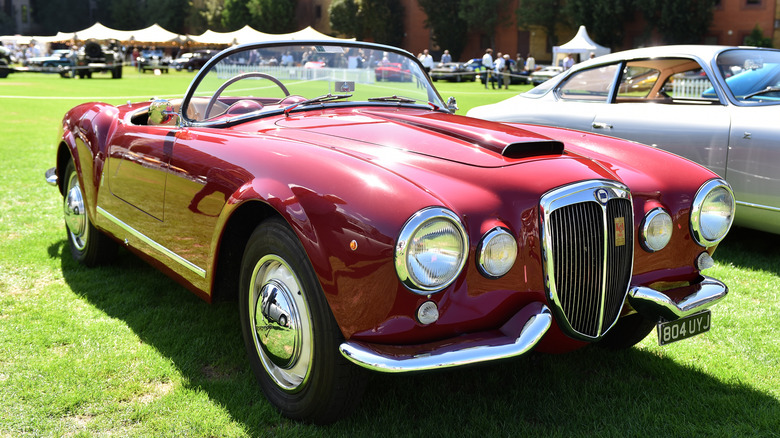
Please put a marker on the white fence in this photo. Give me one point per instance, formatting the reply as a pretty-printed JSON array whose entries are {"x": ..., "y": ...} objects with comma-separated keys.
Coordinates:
[
  {"x": 357, "y": 75},
  {"x": 690, "y": 88}
]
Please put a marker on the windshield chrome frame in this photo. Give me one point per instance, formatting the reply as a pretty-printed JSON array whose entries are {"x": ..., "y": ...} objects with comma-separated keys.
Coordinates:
[{"x": 434, "y": 98}]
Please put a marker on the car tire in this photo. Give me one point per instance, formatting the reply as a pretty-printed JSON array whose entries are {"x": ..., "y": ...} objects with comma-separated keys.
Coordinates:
[
  {"x": 88, "y": 246},
  {"x": 299, "y": 367},
  {"x": 627, "y": 332},
  {"x": 116, "y": 72}
]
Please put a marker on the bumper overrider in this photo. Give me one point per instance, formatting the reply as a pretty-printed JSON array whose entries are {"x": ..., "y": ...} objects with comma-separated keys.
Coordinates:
[{"x": 523, "y": 331}]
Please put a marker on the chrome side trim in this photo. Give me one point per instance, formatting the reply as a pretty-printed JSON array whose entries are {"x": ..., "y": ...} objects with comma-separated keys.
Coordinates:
[
  {"x": 761, "y": 206},
  {"x": 482, "y": 350},
  {"x": 147, "y": 240},
  {"x": 653, "y": 304}
]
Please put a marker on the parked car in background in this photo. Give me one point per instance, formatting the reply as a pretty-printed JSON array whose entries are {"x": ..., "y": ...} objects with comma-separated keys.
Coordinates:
[
  {"x": 58, "y": 58},
  {"x": 153, "y": 59},
  {"x": 453, "y": 72},
  {"x": 5, "y": 62},
  {"x": 362, "y": 226},
  {"x": 393, "y": 72},
  {"x": 94, "y": 58},
  {"x": 193, "y": 60},
  {"x": 545, "y": 73},
  {"x": 715, "y": 105}
]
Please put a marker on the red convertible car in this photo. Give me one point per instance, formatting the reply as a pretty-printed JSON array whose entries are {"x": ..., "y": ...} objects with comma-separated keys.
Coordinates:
[{"x": 362, "y": 226}]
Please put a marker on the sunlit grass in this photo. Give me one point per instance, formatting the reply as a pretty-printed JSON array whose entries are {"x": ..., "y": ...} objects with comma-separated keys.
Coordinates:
[{"x": 122, "y": 350}]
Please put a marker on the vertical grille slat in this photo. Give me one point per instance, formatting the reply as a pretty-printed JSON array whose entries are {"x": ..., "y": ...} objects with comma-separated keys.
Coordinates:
[{"x": 589, "y": 244}]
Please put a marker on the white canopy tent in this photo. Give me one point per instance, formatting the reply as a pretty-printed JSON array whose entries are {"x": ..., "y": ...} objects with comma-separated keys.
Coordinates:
[
  {"x": 156, "y": 34},
  {"x": 582, "y": 45},
  {"x": 249, "y": 35}
]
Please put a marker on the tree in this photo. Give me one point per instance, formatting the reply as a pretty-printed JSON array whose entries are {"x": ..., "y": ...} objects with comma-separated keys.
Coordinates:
[
  {"x": 48, "y": 14},
  {"x": 235, "y": 14},
  {"x": 543, "y": 13},
  {"x": 448, "y": 30},
  {"x": 484, "y": 16},
  {"x": 604, "y": 19},
  {"x": 344, "y": 16},
  {"x": 380, "y": 20},
  {"x": 7, "y": 24},
  {"x": 756, "y": 38},
  {"x": 679, "y": 21},
  {"x": 272, "y": 16}
]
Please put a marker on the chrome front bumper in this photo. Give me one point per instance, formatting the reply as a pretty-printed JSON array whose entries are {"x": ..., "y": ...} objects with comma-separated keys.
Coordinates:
[
  {"x": 518, "y": 336},
  {"x": 523, "y": 331},
  {"x": 653, "y": 304}
]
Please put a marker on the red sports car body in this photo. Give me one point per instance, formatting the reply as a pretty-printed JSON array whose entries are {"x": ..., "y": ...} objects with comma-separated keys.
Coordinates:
[{"x": 367, "y": 228}]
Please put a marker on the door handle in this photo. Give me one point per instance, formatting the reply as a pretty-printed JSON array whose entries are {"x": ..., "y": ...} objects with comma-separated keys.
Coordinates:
[{"x": 601, "y": 125}]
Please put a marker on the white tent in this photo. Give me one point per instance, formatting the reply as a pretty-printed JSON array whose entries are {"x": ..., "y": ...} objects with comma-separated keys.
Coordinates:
[
  {"x": 581, "y": 44},
  {"x": 100, "y": 32},
  {"x": 249, "y": 35},
  {"x": 154, "y": 34}
]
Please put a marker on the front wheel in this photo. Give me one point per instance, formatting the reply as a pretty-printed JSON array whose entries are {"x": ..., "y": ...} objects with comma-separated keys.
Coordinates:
[
  {"x": 87, "y": 245},
  {"x": 294, "y": 357}
]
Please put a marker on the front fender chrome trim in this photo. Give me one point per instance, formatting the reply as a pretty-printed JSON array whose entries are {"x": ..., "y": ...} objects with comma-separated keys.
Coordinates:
[
  {"x": 699, "y": 296},
  {"x": 147, "y": 240},
  {"x": 518, "y": 336}
]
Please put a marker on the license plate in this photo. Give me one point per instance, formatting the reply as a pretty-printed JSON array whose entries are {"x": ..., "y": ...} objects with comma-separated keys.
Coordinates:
[{"x": 692, "y": 325}]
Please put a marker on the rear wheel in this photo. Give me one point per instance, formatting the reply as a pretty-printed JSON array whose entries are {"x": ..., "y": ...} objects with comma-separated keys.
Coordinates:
[
  {"x": 296, "y": 358},
  {"x": 87, "y": 245}
]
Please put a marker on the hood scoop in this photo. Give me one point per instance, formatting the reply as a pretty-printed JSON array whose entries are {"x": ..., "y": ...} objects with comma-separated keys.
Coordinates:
[
  {"x": 532, "y": 149},
  {"x": 508, "y": 141}
]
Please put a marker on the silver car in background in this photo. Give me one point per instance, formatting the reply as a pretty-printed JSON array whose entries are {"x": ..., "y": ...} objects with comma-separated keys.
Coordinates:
[{"x": 718, "y": 106}]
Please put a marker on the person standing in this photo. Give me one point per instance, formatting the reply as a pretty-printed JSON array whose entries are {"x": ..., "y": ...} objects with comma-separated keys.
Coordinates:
[
  {"x": 487, "y": 64},
  {"x": 530, "y": 63},
  {"x": 498, "y": 68},
  {"x": 506, "y": 72},
  {"x": 427, "y": 61},
  {"x": 446, "y": 57}
]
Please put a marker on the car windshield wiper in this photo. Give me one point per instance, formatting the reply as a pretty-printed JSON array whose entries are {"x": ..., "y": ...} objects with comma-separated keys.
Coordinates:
[
  {"x": 764, "y": 91},
  {"x": 319, "y": 99},
  {"x": 393, "y": 98}
]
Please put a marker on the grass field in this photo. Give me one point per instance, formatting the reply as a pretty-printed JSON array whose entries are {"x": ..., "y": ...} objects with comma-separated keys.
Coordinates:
[{"x": 122, "y": 350}]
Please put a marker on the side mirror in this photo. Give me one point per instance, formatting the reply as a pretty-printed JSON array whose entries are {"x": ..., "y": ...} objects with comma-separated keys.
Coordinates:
[
  {"x": 161, "y": 112},
  {"x": 452, "y": 104}
]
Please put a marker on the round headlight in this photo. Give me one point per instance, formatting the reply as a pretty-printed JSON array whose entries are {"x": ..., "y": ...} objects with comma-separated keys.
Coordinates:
[
  {"x": 656, "y": 230},
  {"x": 431, "y": 250},
  {"x": 496, "y": 253},
  {"x": 712, "y": 212}
]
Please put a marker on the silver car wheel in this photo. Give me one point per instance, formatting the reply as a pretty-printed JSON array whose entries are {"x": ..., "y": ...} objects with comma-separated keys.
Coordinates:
[
  {"x": 285, "y": 350},
  {"x": 75, "y": 214}
]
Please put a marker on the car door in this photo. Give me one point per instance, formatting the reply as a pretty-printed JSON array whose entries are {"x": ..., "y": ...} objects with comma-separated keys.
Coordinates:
[
  {"x": 669, "y": 104},
  {"x": 137, "y": 166},
  {"x": 753, "y": 168}
]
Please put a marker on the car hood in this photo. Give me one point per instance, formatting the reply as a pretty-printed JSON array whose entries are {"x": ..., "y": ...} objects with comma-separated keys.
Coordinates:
[{"x": 432, "y": 134}]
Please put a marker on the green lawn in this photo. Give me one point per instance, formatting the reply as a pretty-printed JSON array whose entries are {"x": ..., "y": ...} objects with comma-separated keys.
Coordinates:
[{"x": 122, "y": 350}]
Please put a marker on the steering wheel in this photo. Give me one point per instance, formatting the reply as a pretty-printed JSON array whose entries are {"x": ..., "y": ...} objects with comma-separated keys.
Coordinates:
[{"x": 236, "y": 78}]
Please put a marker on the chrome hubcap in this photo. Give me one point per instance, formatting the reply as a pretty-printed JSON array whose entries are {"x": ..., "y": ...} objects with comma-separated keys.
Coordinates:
[
  {"x": 282, "y": 327},
  {"x": 75, "y": 214}
]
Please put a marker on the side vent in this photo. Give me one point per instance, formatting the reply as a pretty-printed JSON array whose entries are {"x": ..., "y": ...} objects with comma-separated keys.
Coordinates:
[{"x": 532, "y": 149}]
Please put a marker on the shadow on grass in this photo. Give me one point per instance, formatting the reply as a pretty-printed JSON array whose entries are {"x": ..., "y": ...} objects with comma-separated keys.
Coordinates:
[
  {"x": 750, "y": 249},
  {"x": 588, "y": 392}
]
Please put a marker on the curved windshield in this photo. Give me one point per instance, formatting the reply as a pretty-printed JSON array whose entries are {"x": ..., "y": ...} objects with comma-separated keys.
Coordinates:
[
  {"x": 255, "y": 79},
  {"x": 752, "y": 75}
]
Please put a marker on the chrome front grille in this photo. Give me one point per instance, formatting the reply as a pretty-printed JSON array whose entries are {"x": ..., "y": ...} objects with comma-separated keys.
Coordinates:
[{"x": 588, "y": 245}]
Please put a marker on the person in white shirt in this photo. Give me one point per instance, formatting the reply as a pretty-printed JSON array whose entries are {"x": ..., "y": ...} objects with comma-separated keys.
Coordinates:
[
  {"x": 498, "y": 68},
  {"x": 487, "y": 64},
  {"x": 427, "y": 60}
]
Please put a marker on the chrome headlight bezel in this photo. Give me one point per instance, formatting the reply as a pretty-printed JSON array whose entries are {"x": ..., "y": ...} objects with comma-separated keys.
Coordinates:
[
  {"x": 484, "y": 252},
  {"x": 648, "y": 242},
  {"x": 407, "y": 265},
  {"x": 700, "y": 218}
]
